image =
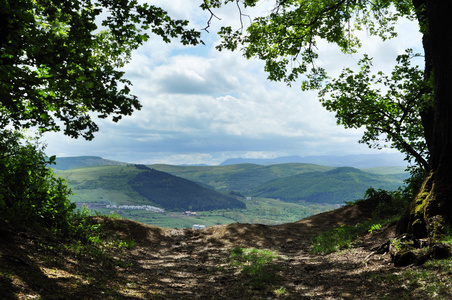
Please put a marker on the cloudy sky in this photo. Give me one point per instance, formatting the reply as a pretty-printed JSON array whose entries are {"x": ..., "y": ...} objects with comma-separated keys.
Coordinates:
[{"x": 204, "y": 106}]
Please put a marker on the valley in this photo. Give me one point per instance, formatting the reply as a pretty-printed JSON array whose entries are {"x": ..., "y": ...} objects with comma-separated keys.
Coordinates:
[{"x": 182, "y": 196}]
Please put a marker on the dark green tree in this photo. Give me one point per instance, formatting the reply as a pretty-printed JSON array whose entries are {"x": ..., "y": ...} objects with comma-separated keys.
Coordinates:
[
  {"x": 60, "y": 60},
  {"x": 60, "y": 66},
  {"x": 286, "y": 39},
  {"x": 388, "y": 107}
]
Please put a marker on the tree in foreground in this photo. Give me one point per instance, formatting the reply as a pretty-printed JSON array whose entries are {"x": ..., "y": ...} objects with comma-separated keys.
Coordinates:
[
  {"x": 60, "y": 60},
  {"x": 415, "y": 112},
  {"x": 60, "y": 66}
]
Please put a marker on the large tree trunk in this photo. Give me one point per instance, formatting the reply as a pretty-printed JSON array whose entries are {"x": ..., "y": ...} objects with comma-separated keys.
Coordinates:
[{"x": 431, "y": 210}]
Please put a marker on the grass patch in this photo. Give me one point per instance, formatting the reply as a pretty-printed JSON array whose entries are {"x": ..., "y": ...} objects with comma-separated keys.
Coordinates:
[
  {"x": 390, "y": 205},
  {"x": 342, "y": 237},
  {"x": 90, "y": 237},
  {"x": 258, "y": 265},
  {"x": 430, "y": 281}
]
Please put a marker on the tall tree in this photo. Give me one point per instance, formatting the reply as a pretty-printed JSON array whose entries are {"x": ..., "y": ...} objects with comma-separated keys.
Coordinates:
[
  {"x": 60, "y": 60},
  {"x": 432, "y": 208},
  {"x": 287, "y": 38},
  {"x": 60, "y": 64}
]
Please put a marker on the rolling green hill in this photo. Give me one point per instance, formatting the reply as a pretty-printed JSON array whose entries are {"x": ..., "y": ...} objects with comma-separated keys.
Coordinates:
[
  {"x": 153, "y": 185},
  {"x": 66, "y": 163},
  {"x": 139, "y": 185},
  {"x": 334, "y": 186},
  {"x": 177, "y": 193},
  {"x": 242, "y": 178}
]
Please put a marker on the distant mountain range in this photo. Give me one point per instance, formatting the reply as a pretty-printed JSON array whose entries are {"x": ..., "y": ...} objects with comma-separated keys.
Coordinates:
[
  {"x": 360, "y": 161},
  {"x": 94, "y": 179}
]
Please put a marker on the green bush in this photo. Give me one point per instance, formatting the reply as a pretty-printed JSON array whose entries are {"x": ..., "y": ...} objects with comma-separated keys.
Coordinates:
[
  {"x": 390, "y": 203},
  {"x": 344, "y": 236},
  {"x": 258, "y": 265},
  {"x": 30, "y": 194}
]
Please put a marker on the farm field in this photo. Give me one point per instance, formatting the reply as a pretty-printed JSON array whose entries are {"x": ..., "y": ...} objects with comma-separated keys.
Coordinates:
[{"x": 258, "y": 211}]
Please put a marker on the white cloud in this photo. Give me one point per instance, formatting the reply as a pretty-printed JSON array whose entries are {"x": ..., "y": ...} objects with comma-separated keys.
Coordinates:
[{"x": 204, "y": 106}]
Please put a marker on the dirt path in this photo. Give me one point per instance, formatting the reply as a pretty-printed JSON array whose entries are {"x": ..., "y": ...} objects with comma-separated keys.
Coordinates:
[
  {"x": 195, "y": 264},
  {"x": 189, "y": 264}
]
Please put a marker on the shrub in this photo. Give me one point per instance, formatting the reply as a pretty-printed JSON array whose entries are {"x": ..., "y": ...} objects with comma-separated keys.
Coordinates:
[
  {"x": 30, "y": 193},
  {"x": 389, "y": 203}
]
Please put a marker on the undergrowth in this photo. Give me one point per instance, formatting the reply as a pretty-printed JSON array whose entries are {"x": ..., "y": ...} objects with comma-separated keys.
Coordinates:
[
  {"x": 90, "y": 237},
  {"x": 342, "y": 237},
  {"x": 433, "y": 280},
  {"x": 258, "y": 266},
  {"x": 389, "y": 208}
]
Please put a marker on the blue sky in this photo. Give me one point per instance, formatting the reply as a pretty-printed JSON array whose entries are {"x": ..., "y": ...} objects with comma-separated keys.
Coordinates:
[{"x": 204, "y": 106}]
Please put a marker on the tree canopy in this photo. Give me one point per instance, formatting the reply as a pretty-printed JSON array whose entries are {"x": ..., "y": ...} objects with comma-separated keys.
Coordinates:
[
  {"x": 286, "y": 39},
  {"x": 60, "y": 66},
  {"x": 60, "y": 60},
  {"x": 389, "y": 107},
  {"x": 416, "y": 115}
]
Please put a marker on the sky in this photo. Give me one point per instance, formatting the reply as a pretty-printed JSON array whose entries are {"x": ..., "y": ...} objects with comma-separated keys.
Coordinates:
[{"x": 202, "y": 106}]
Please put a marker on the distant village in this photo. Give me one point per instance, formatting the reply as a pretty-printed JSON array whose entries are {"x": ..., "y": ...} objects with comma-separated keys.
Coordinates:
[
  {"x": 94, "y": 205},
  {"x": 138, "y": 207}
]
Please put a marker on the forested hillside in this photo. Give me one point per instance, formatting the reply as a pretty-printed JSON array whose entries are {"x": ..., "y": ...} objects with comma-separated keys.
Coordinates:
[
  {"x": 175, "y": 193},
  {"x": 242, "y": 178},
  {"x": 139, "y": 185},
  {"x": 192, "y": 187},
  {"x": 334, "y": 186}
]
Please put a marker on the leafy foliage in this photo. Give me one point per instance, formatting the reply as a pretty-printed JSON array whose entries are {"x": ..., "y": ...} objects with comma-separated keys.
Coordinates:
[
  {"x": 60, "y": 60},
  {"x": 60, "y": 65},
  {"x": 343, "y": 236},
  {"x": 383, "y": 105},
  {"x": 394, "y": 109},
  {"x": 30, "y": 194},
  {"x": 287, "y": 37},
  {"x": 390, "y": 203}
]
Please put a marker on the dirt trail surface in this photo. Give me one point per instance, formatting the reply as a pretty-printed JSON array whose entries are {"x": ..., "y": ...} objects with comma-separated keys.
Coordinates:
[{"x": 195, "y": 264}]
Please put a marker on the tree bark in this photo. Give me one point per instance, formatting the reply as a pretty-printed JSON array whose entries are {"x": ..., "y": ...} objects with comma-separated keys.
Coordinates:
[
  {"x": 439, "y": 14},
  {"x": 427, "y": 113},
  {"x": 431, "y": 210}
]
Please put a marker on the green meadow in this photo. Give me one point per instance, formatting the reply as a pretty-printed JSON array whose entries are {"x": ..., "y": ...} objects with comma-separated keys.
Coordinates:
[{"x": 246, "y": 193}]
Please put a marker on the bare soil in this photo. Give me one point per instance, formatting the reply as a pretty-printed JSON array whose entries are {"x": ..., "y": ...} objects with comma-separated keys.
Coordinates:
[{"x": 195, "y": 264}]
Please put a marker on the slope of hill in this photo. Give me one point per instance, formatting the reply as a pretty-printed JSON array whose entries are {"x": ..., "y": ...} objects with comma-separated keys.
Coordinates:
[
  {"x": 124, "y": 184},
  {"x": 242, "y": 178},
  {"x": 66, "y": 163},
  {"x": 334, "y": 186},
  {"x": 132, "y": 185},
  {"x": 177, "y": 193}
]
